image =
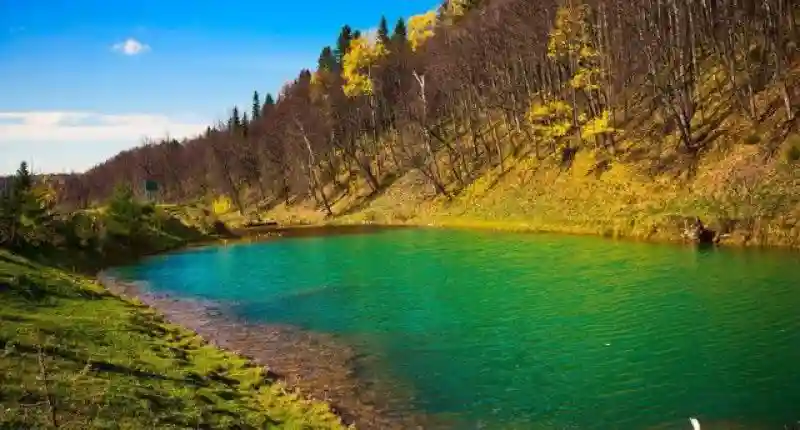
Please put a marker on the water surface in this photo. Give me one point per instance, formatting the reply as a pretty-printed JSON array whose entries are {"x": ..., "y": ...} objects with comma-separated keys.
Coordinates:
[{"x": 503, "y": 330}]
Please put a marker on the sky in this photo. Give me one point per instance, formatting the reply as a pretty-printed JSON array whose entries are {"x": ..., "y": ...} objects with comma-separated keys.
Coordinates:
[{"x": 81, "y": 80}]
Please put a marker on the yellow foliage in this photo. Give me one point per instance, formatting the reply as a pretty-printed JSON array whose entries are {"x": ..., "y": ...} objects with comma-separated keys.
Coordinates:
[
  {"x": 560, "y": 128},
  {"x": 44, "y": 191},
  {"x": 555, "y": 107},
  {"x": 361, "y": 54},
  {"x": 221, "y": 205},
  {"x": 551, "y": 120},
  {"x": 421, "y": 28},
  {"x": 586, "y": 78},
  {"x": 454, "y": 9},
  {"x": 597, "y": 126},
  {"x": 570, "y": 35}
]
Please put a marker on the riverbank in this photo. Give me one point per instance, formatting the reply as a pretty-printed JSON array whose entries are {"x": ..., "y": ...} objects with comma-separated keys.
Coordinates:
[
  {"x": 315, "y": 364},
  {"x": 747, "y": 201},
  {"x": 77, "y": 356}
]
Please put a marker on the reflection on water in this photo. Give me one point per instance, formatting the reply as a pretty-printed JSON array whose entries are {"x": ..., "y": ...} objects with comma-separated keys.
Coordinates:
[{"x": 525, "y": 331}]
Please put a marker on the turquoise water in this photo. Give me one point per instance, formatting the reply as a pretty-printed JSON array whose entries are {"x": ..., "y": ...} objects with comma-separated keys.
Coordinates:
[{"x": 531, "y": 331}]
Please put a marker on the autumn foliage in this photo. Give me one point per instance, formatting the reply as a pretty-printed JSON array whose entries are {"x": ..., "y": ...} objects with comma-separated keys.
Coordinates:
[{"x": 458, "y": 90}]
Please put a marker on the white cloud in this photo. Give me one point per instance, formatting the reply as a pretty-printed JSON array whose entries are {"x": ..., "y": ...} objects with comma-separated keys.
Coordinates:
[
  {"x": 56, "y": 127},
  {"x": 131, "y": 46}
]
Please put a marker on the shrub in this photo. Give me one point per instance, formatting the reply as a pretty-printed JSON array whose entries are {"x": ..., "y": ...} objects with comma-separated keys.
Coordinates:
[
  {"x": 221, "y": 205},
  {"x": 792, "y": 152}
]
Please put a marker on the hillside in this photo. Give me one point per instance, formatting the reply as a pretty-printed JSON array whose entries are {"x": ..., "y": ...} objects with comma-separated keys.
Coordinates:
[{"x": 598, "y": 116}]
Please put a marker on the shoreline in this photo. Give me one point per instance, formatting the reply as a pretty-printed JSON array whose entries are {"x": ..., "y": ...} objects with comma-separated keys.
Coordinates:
[
  {"x": 318, "y": 366},
  {"x": 457, "y": 223}
]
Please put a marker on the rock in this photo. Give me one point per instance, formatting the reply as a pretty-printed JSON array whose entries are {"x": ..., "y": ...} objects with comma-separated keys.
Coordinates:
[{"x": 699, "y": 233}]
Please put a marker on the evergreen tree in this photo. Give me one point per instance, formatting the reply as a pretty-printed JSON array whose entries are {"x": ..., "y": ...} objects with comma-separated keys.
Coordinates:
[
  {"x": 23, "y": 180},
  {"x": 343, "y": 43},
  {"x": 327, "y": 61},
  {"x": 25, "y": 217},
  {"x": 234, "y": 122},
  {"x": 124, "y": 215},
  {"x": 269, "y": 103},
  {"x": 256, "y": 106},
  {"x": 244, "y": 127},
  {"x": 400, "y": 32},
  {"x": 383, "y": 32}
]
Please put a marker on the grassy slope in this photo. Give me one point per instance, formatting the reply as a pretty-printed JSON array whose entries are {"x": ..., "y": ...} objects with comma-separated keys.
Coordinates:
[
  {"x": 110, "y": 363},
  {"x": 746, "y": 185}
]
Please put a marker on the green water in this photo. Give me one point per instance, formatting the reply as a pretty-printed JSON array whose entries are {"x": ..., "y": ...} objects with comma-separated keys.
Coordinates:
[{"x": 531, "y": 331}]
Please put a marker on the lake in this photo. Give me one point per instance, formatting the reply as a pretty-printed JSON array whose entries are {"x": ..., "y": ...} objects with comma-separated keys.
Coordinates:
[{"x": 508, "y": 330}]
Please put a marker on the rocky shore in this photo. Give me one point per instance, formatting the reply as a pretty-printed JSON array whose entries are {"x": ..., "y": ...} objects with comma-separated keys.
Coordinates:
[{"x": 318, "y": 365}]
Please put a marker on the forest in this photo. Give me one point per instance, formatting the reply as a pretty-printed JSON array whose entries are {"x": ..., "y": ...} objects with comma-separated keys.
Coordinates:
[{"x": 479, "y": 85}]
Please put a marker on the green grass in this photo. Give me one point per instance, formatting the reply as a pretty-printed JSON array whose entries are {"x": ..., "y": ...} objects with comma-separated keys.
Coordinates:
[{"x": 72, "y": 355}]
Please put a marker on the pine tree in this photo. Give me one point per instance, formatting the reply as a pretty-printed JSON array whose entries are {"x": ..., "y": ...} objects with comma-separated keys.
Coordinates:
[
  {"x": 124, "y": 215},
  {"x": 24, "y": 214},
  {"x": 269, "y": 103},
  {"x": 343, "y": 43},
  {"x": 383, "y": 32},
  {"x": 234, "y": 122},
  {"x": 256, "y": 106},
  {"x": 400, "y": 32},
  {"x": 327, "y": 61},
  {"x": 23, "y": 180},
  {"x": 245, "y": 126}
]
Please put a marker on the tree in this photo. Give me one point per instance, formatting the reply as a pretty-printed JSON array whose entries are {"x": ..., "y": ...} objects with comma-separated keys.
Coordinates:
[
  {"x": 383, "y": 32},
  {"x": 256, "y": 106},
  {"x": 327, "y": 61},
  {"x": 23, "y": 180},
  {"x": 400, "y": 34},
  {"x": 421, "y": 28},
  {"x": 356, "y": 64},
  {"x": 268, "y": 106},
  {"x": 343, "y": 43},
  {"x": 235, "y": 122},
  {"x": 26, "y": 211},
  {"x": 124, "y": 215}
]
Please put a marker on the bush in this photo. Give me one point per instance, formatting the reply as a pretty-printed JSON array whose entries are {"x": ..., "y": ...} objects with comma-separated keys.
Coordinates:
[{"x": 792, "y": 151}]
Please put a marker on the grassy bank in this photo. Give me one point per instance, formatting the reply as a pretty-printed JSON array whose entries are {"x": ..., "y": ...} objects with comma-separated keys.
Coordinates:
[
  {"x": 749, "y": 203},
  {"x": 745, "y": 186},
  {"x": 72, "y": 355}
]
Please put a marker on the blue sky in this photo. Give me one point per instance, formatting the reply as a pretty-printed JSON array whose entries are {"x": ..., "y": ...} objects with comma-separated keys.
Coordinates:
[{"x": 81, "y": 80}]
